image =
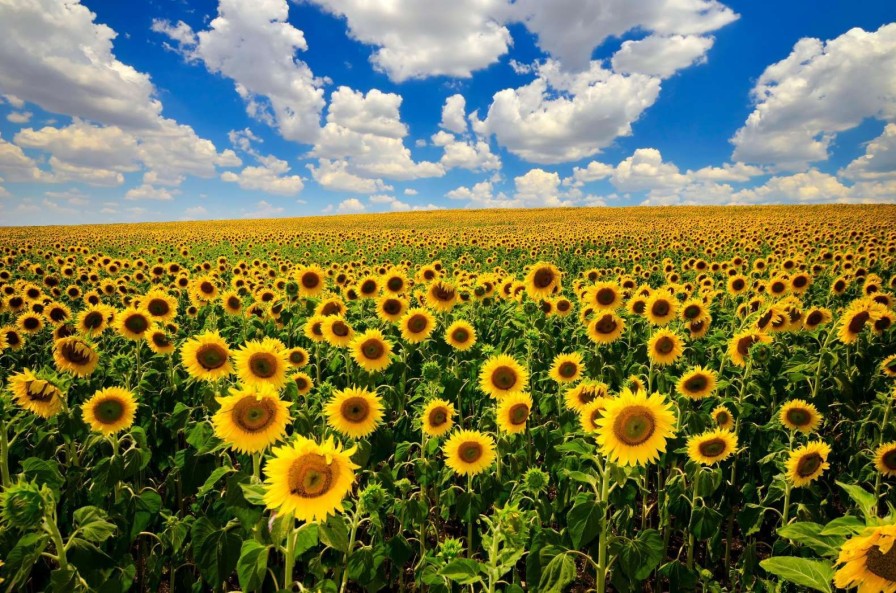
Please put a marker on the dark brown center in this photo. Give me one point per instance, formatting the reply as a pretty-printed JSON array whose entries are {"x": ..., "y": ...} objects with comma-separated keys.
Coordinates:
[
  {"x": 211, "y": 356},
  {"x": 634, "y": 425}
]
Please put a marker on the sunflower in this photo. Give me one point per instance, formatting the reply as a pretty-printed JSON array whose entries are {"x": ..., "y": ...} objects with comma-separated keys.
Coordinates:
[
  {"x": 868, "y": 561},
  {"x": 502, "y": 375},
  {"x": 437, "y": 418},
  {"x": 395, "y": 282},
  {"x": 11, "y": 337},
  {"x": 885, "y": 459},
  {"x": 542, "y": 281},
  {"x": 371, "y": 350},
  {"x": 75, "y": 355},
  {"x": 314, "y": 328},
  {"x": 513, "y": 411},
  {"x": 737, "y": 284},
  {"x": 888, "y": 366},
  {"x": 660, "y": 308},
  {"x": 368, "y": 287},
  {"x": 232, "y": 302},
  {"x": 261, "y": 362},
  {"x": 337, "y": 332},
  {"x": 712, "y": 446},
  {"x": 693, "y": 310},
  {"x": 566, "y": 368},
  {"x": 391, "y": 308},
  {"x": 303, "y": 382},
  {"x": 94, "y": 320},
  {"x": 203, "y": 290},
  {"x": 578, "y": 397},
  {"x": 591, "y": 412},
  {"x": 807, "y": 463},
  {"x": 800, "y": 415},
  {"x": 36, "y": 395},
  {"x": 469, "y": 452},
  {"x": 856, "y": 317},
  {"x": 416, "y": 325},
  {"x": 311, "y": 280},
  {"x": 634, "y": 427},
  {"x": 721, "y": 415},
  {"x": 354, "y": 412},
  {"x": 697, "y": 383},
  {"x": 441, "y": 296},
  {"x": 816, "y": 317},
  {"x": 57, "y": 313},
  {"x": 460, "y": 335},
  {"x": 604, "y": 296},
  {"x": 308, "y": 480},
  {"x": 110, "y": 410},
  {"x": 664, "y": 347},
  {"x": 251, "y": 419},
  {"x": 883, "y": 322},
  {"x": 133, "y": 323},
  {"x": 605, "y": 328},
  {"x": 740, "y": 344},
  {"x": 159, "y": 341},
  {"x": 160, "y": 305},
  {"x": 297, "y": 357},
  {"x": 30, "y": 323},
  {"x": 206, "y": 357}
]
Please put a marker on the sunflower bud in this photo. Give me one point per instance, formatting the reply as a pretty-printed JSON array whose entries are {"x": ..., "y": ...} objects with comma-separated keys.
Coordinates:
[
  {"x": 372, "y": 498},
  {"x": 536, "y": 480},
  {"x": 22, "y": 505},
  {"x": 431, "y": 371},
  {"x": 450, "y": 549}
]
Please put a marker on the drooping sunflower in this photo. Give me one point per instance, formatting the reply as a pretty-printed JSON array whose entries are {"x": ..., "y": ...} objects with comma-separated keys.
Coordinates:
[
  {"x": 354, "y": 412},
  {"x": 133, "y": 323},
  {"x": 664, "y": 347},
  {"x": 110, "y": 410},
  {"x": 868, "y": 561},
  {"x": 885, "y": 459},
  {"x": 660, "y": 308},
  {"x": 441, "y": 296},
  {"x": 391, "y": 308},
  {"x": 75, "y": 355},
  {"x": 417, "y": 325},
  {"x": 800, "y": 415},
  {"x": 888, "y": 366},
  {"x": 437, "y": 418},
  {"x": 311, "y": 280},
  {"x": 35, "y": 394},
  {"x": 605, "y": 328},
  {"x": 371, "y": 350},
  {"x": 261, "y": 362},
  {"x": 251, "y": 419},
  {"x": 740, "y": 344},
  {"x": 513, "y": 412},
  {"x": 566, "y": 368},
  {"x": 303, "y": 381},
  {"x": 206, "y": 357},
  {"x": 712, "y": 446},
  {"x": 469, "y": 452},
  {"x": 816, "y": 317},
  {"x": 297, "y": 357},
  {"x": 635, "y": 427},
  {"x": 542, "y": 280},
  {"x": 807, "y": 463},
  {"x": 697, "y": 383},
  {"x": 859, "y": 315},
  {"x": 721, "y": 415},
  {"x": 460, "y": 335},
  {"x": 94, "y": 320},
  {"x": 308, "y": 480},
  {"x": 337, "y": 331},
  {"x": 502, "y": 375},
  {"x": 584, "y": 393},
  {"x": 159, "y": 341},
  {"x": 590, "y": 413}
]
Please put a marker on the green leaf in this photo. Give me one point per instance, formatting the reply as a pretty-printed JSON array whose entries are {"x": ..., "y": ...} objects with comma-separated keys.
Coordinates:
[
  {"x": 705, "y": 522},
  {"x": 66, "y": 580},
  {"x": 581, "y": 477},
  {"x": 801, "y": 571},
  {"x": 92, "y": 525},
  {"x": 866, "y": 500},
  {"x": 215, "y": 550},
  {"x": 638, "y": 557},
  {"x": 462, "y": 571},
  {"x": 219, "y": 473},
  {"x": 253, "y": 493},
  {"x": 845, "y": 526},
  {"x": 334, "y": 533},
  {"x": 559, "y": 572},
  {"x": 306, "y": 538},
  {"x": 809, "y": 534},
  {"x": 583, "y": 522},
  {"x": 252, "y": 566},
  {"x": 23, "y": 556},
  {"x": 43, "y": 472}
]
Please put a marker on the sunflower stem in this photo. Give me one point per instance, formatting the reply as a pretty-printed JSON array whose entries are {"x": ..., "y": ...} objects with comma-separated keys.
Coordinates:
[
  {"x": 788, "y": 487},
  {"x": 4, "y": 456},
  {"x": 603, "y": 542},
  {"x": 53, "y": 530},
  {"x": 880, "y": 441},
  {"x": 351, "y": 545},
  {"x": 256, "y": 467},
  {"x": 821, "y": 352},
  {"x": 691, "y": 538},
  {"x": 470, "y": 522},
  {"x": 291, "y": 538}
]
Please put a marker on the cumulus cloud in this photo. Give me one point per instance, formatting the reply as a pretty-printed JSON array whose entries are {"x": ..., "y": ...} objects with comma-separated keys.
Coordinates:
[
  {"x": 454, "y": 118},
  {"x": 19, "y": 117},
  {"x": 658, "y": 55},
  {"x": 819, "y": 90},
  {"x": 879, "y": 160},
  {"x": 148, "y": 192},
  {"x": 269, "y": 176},
  {"x": 350, "y": 205},
  {"x": 263, "y": 209},
  {"x": 335, "y": 176}
]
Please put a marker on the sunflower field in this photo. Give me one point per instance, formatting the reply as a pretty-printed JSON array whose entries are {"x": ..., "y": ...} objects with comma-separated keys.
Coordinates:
[{"x": 574, "y": 400}]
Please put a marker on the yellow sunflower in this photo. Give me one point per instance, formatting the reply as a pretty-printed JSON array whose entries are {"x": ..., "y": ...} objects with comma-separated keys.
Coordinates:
[
  {"x": 94, "y": 320},
  {"x": 441, "y": 296},
  {"x": 110, "y": 410},
  {"x": 160, "y": 305},
  {"x": 566, "y": 368},
  {"x": 469, "y": 452},
  {"x": 395, "y": 282},
  {"x": 250, "y": 419},
  {"x": 314, "y": 328},
  {"x": 740, "y": 344},
  {"x": 502, "y": 375},
  {"x": 888, "y": 366},
  {"x": 75, "y": 355},
  {"x": 660, "y": 308},
  {"x": 11, "y": 337},
  {"x": 635, "y": 427},
  {"x": 354, "y": 412},
  {"x": 36, "y": 395},
  {"x": 303, "y": 382},
  {"x": 868, "y": 561},
  {"x": 133, "y": 323},
  {"x": 232, "y": 302},
  {"x": 542, "y": 281},
  {"x": 460, "y": 335},
  {"x": 206, "y": 357},
  {"x": 885, "y": 459},
  {"x": 697, "y": 383},
  {"x": 578, "y": 397},
  {"x": 391, "y": 308},
  {"x": 311, "y": 280},
  {"x": 693, "y": 310},
  {"x": 308, "y": 480},
  {"x": 416, "y": 325},
  {"x": 297, "y": 357},
  {"x": 337, "y": 331},
  {"x": 591, "y": 412},
  {"x": 605, "y": 328},
  {"x": 712, "y": 446},
  {"x": 664, "y": 347},
  {"x": 437, "y": 418},
  {"x": 816, "y": 317},
  {"x": 513, "y": 411},
  {"x": 721, "y": 415},
  {"x": 800, "y": 415},
  {"x": 604, "y": 296},
  {"x": 261, "y": 362},
  {"x": 30, "y": 323},
  {"x": 159, "y": 342},
  {"x": 371, "y": 350},
  {"x": 807, "y": 463},
  {"x": 859, "y": 315}
]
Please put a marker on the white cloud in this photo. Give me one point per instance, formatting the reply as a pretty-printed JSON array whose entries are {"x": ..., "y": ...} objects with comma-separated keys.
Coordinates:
[
  {"x": 410, "y": 191},
  {"x": 454, "y": 118},
  {"x": 334, "y": 175},
  {"x": 646, "y": 170},
  {"x": 148, "y": 192},
  {"x": 475, "y": 155},
  {"x": 593, "y": 171},
  {"x": 19, "y": 117},
  {"x": 481, "y": 192},
  {"x": 269, "y": 176},
  {"x": 737, "y": 172},
  {"x": 14, "y": 101},
  {"x": 263, "y": 209},
  {"x": 195, "y": 212},
  {"x": 819, "y": 90},
  {"x": 811, "y": 186},
  {"x": 662, "y": 56},
  {"x": 350, "y": 205},
  {"x": 15, "y": 165},
  {"x": 879, "y": 160},
  {"x": 253, "y": 44},
  {"x": 537, "y": 188},
  {"x": 414, "y": 41}
]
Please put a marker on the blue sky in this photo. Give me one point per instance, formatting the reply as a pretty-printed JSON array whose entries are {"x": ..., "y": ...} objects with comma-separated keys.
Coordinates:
[{"x": 170, "y": 110}]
